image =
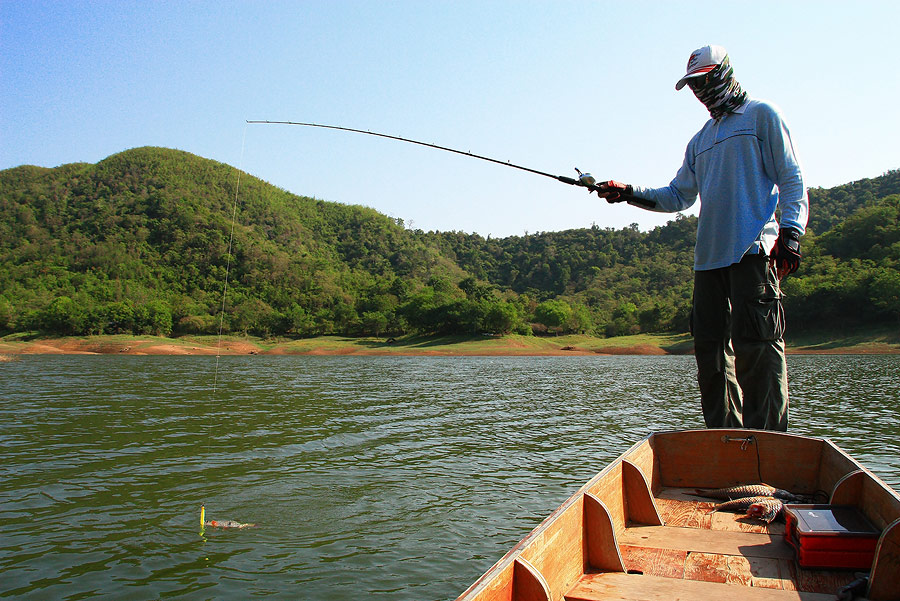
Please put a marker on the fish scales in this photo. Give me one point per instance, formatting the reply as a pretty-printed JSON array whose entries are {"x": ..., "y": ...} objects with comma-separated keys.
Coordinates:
[
  {"x": 766, "y": 510},
  {"x": 742, "y": 504},
  {"x": 747, "y": 490}
]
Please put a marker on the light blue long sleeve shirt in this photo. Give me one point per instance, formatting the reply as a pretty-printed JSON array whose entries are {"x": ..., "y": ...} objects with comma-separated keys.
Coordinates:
[{"x": 742, "y": 167}]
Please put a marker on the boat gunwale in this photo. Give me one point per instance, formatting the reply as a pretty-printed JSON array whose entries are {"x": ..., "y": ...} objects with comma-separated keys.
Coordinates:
[{"x": 510, "y": 555}]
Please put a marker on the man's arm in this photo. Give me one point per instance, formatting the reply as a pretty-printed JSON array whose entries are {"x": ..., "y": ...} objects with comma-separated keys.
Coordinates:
[
  {"x": 680, "y": 194},
  {"x": 782, "y": 166}
]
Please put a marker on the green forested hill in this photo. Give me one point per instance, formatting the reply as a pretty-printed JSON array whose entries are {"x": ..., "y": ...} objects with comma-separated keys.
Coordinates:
[
  {"x": 137, "y": 243},
  {"x": 615, "y": 281},
  {"x": 831, "y": 206},
  {"x": 851, "y": 273}
]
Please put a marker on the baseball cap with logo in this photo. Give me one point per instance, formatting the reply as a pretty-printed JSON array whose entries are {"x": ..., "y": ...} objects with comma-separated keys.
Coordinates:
[{"x": 702, "y": 61}]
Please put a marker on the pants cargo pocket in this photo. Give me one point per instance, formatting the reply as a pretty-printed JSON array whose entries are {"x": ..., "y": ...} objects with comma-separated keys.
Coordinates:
[{"x": 764, "y": 315}]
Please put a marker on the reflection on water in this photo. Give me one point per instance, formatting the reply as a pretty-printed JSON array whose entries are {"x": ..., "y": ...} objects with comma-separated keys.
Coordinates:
[{"x": 392, "y": 477}]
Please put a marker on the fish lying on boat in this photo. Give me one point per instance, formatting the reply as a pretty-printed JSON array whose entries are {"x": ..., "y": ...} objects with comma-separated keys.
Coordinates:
[
  {"x": 741, "y": 504},
  {"x": 766, "y": 510},
  {"x": 749, "y": 490},
  {"x": 227, "y": 524}
]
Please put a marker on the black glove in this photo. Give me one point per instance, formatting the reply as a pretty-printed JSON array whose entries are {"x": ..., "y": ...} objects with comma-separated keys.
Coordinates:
[
  {"x": 785, "y": 256},
  {"x": 614, "y": 191}
]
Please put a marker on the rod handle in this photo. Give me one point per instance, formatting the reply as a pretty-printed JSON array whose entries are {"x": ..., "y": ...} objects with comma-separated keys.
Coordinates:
[{"x": 625, "y": 197}]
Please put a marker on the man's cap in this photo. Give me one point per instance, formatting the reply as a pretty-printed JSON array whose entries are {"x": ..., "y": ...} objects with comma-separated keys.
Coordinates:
[{"x": 702, "y": 61}]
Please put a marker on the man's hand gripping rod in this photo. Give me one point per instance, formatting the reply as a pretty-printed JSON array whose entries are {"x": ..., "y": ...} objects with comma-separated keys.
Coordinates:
[{"x": 585, "y": 180}]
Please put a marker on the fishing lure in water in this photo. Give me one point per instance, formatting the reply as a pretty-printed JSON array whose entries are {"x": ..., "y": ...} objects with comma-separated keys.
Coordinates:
[
  {"x": 227, "y": 524},
  {"x": 221, "y": 523},
  {"x": 748, "y": 490}
]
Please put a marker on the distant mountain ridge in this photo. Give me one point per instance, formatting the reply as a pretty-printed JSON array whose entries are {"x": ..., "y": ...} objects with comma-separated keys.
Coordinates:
[{"x": 138, "y": 243}]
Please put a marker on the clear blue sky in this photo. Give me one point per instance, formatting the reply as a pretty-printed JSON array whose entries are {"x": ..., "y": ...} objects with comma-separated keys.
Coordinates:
[{"x": 549, "y": 85}]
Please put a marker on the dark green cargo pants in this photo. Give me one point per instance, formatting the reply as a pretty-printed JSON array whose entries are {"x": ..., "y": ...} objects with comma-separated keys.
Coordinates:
[{"x": 738, "y": 326}]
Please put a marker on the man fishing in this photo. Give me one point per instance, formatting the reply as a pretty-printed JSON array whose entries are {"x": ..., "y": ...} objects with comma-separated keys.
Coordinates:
[{"x": 742, "y": 166}]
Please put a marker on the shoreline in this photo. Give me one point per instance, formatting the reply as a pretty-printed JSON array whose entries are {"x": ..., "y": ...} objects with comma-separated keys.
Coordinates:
[{"x": 572, "y": 345}]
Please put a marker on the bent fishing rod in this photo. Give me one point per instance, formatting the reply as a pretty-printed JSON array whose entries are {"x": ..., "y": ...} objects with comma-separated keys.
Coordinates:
[{"x": 585, "y": 180}]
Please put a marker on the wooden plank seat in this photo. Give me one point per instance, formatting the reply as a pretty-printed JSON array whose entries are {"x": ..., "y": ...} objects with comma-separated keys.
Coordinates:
[{"x": 747, "y": 544}]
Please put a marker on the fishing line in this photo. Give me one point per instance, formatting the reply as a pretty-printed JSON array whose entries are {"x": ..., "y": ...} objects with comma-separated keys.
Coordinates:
[
  {"x": 237, "y": 189},
  {"x": 758, "y": 461}
]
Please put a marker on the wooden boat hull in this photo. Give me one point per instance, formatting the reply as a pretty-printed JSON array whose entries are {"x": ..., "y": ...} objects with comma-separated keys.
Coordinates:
[{"x": 635, "y": 531}]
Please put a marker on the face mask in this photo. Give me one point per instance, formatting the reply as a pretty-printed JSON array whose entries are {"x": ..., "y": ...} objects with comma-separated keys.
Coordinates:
[{"x": 719, "y": 91}]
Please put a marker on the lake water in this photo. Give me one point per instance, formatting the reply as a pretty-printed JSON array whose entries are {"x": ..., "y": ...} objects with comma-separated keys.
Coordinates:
[{"x": 368, "y": 477}]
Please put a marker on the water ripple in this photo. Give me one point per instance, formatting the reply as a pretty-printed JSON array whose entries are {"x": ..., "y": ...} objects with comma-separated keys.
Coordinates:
[{"x": 386, "y": 477}]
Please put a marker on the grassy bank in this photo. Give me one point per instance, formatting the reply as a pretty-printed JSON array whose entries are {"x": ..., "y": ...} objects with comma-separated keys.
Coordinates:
[{"x": 882, "y": 341}]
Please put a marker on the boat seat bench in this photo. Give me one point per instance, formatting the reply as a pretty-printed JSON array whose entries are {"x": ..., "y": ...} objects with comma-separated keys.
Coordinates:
[{"x": 747, "y": 544}]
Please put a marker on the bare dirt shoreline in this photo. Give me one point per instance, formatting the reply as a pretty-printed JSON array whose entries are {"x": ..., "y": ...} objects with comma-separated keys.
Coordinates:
[
  {"x": 101, "y": 345},
  {"x": 69, "y": 347}
]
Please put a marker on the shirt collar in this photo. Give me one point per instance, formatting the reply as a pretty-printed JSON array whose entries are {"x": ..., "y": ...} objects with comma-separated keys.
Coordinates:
[{"x": 740, "y": 110}]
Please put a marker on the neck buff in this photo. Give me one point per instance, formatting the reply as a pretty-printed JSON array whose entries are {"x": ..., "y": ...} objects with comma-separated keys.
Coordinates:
[{"x": 721, "y": 94}]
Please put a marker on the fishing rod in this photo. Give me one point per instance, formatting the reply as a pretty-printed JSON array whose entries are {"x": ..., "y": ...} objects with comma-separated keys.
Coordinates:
[{"x": 585, "y": 180}]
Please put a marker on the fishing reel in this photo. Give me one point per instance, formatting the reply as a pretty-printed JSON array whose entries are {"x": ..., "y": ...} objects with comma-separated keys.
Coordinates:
[
  {"x": 585, "y": 179},
  {"x": 620, "y": 193}
]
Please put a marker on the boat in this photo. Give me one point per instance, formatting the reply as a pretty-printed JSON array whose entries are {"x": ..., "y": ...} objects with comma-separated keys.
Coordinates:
[{"x": 642, "y": 528}]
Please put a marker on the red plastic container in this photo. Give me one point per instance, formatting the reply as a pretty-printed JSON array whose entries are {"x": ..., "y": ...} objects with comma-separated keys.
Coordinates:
[{"x": 830, "y": 536}]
